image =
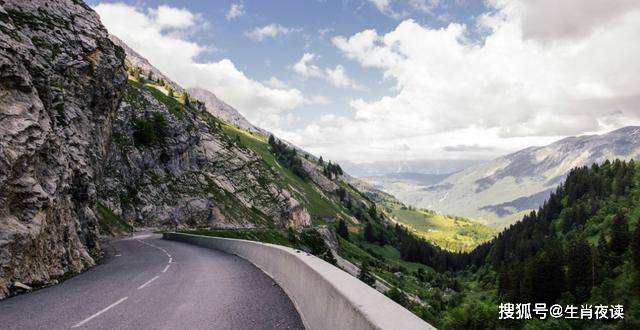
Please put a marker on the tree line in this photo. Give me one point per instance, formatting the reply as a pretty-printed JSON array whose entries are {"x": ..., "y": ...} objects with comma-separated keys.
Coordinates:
[{"x": 287, "y": 157}]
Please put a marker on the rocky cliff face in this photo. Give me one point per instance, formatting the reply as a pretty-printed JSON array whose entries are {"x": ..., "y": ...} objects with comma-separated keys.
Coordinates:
[
  {"x": 318, "y": 177},
  {"x": 61, "y": 81},
  {"x": 82, "y": 144},
  {"x": 171, "y": 164}
]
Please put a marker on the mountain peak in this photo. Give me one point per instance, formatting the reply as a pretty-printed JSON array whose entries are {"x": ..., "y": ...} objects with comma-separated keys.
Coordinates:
[{"x": 222, "y": 110}]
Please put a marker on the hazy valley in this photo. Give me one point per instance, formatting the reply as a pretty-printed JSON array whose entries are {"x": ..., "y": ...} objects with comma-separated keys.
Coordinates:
[{"x": 499, "y": 192}]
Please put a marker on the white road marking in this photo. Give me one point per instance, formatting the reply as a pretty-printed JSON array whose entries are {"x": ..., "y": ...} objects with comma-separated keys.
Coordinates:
[
  {"x": 148, "y": 282},
  {"x": 117, "y": 255},
  {"x": 157, "y": 247},
  {"x": 165, "y": 269},
  {"x": 99, "y": 313},
  {"x": 161, "y": 249}
]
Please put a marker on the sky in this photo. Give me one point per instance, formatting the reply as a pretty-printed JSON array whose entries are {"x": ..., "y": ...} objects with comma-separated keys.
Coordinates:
[{"x": 380, "y": 80}]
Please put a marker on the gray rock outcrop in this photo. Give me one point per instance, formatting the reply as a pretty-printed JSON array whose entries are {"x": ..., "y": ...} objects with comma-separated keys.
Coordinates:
[
  {"x": 189, "y": 169},
  {"x": 61, "y": 80}
]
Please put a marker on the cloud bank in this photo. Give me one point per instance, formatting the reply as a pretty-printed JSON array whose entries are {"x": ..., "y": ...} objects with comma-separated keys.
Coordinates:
[
  {"x": 336, "y": 76},
  {"x": 159, "y": 34},
  {"x": 272, "y": 30},
  {"x": 542, "y": 71}
]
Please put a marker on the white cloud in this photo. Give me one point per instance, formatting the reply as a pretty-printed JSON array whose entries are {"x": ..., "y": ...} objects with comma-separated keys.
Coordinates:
[
  {"x": 336, "y": 76},
  {"x": 175, "y": 56},
  {"x": 236, "y": 10},
  {"x": 272, "y": 30},
  {"x": 425, "y": 6},
  {"x": 276, "y": 83},
  {"x": 550, "y": 19},
  {"x": 173, "y": 18},
  {"x": 523, "y": 85},
  {"x": 381, "y": 5},
  {"x": 385, "y": 7},
  {"x": 323, "y": 32}
]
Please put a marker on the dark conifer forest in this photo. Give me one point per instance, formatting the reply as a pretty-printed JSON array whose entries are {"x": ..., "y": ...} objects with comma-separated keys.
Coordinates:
[{"x": 582, "y": 246}]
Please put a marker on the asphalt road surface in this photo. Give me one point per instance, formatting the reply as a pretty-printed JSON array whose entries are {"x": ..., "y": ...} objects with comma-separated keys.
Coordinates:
[{"x": 150, "y": 283}]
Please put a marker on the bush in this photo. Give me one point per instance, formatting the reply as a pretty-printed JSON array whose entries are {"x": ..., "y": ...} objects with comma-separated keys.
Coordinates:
[{"x": 148, "y": 132}]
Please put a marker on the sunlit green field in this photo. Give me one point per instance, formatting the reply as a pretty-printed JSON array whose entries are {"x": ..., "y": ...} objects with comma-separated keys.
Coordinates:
[{"x": 448, "y": 232}]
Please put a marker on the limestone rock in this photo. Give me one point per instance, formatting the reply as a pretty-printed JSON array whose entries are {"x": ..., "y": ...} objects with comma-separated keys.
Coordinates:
[
  {"x": 61, "y": 80},
  {"x": 318, "y": 177}
]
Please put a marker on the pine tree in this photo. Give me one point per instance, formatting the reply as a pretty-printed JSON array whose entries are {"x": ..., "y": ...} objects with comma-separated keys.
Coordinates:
[
  {"x": 619, "y": 235},
  {"x": 321, "y": 161},
  {"x": 187, "y": 101},
  {"x": 398, "y": 296},
  {"x": 635, "y": 246},
  {"x": 544, "y": 277},
  {"x": 365, "y": 276},
  {"x": 372, "y": 211},
  {"x": 601, "y": 262},
  {"x": 579, "y": 268},
  {"x": 369, "y": 235},
  {"x": 342, "y": 229}
]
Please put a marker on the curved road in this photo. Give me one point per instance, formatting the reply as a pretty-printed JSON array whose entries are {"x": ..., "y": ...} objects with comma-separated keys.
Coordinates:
[{"x": 150, "y": 283}]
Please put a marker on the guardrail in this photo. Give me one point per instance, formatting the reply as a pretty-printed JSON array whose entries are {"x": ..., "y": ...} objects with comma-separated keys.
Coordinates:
[{"x": 325, "y": 296}]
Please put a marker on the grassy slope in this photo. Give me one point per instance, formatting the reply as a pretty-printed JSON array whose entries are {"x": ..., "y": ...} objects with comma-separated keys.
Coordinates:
[
  {"x": 450, "y": 233},
  {"x": 110, "y": 223},
  {"x": 318, "y": 204},
  {"x": 176, "y": 107}
]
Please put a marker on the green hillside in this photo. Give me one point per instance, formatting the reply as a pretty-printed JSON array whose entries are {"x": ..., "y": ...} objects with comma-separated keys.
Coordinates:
[
  {"x": 319, "y": 205},
  {"x": 452, "y": 233},
  {"x": 456, "y": 234}
]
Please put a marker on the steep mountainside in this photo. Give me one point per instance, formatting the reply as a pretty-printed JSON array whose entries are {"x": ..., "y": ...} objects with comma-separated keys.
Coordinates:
[
  {"x": 581, "y": 248},
  {"x": 61, "y": 82},
  {"x": 502, "y": 190},
  {"x": 220, "y": 109},
  {"x": 172, "y": 164},
  {"x": 87, "y": 151},
  {"x": 134, "y": 60}
]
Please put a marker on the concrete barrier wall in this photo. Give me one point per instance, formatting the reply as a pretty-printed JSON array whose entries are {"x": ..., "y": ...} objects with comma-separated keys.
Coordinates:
[{"x": 325, "y": 296}]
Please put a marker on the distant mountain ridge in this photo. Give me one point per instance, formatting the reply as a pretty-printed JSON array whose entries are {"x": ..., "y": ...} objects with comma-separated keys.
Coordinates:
[
  {"x": 222, "y": 110},
  {"x": 134, "y": 60},
  {"x": 501, "y": 190},
  {"x": 422, "y": 166},
  {"x": 214, "y": 105}
]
